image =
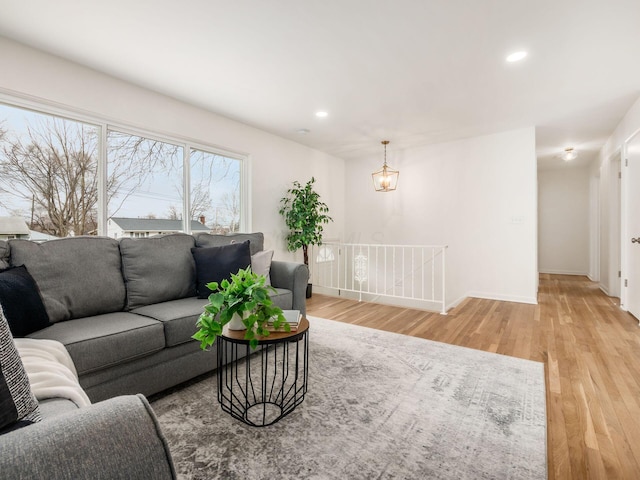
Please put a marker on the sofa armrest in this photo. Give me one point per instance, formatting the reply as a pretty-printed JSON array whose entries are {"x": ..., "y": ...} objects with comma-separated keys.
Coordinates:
[
  {"x": 116, "y": 439},
  {"x": 294, "y": 277}
]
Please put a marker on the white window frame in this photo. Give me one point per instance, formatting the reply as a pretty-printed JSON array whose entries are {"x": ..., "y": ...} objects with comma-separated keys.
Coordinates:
[{"x": 45, "y": 107}]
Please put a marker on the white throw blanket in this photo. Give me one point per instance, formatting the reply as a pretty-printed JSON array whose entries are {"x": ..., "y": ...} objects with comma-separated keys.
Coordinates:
[{"x": 50, "y": 370}]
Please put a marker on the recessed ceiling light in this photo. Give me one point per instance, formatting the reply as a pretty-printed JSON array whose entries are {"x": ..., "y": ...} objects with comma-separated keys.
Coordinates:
[
  {"x": 322, "y": 114},
  {"x": 516, "y": 56}
]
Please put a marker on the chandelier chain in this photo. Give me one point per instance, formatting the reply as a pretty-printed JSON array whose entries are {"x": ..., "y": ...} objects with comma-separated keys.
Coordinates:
[{"x": 385, "y": 142}]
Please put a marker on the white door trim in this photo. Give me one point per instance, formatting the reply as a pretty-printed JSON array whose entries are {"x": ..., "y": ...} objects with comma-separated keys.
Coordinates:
[{"x": 624, "y": 222}]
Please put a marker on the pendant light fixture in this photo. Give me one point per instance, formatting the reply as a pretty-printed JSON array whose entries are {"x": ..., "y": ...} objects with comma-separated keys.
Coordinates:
[{"x": 385, "y": 179}]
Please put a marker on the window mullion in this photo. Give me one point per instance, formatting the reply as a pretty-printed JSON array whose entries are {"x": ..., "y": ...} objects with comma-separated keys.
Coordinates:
[
  {"x": 186, "y": 185},
  {"x": 103, "y": 174}
]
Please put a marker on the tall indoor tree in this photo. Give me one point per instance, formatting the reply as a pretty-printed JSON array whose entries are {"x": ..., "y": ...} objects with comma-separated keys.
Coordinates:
[{"x": 304, "y": 214}]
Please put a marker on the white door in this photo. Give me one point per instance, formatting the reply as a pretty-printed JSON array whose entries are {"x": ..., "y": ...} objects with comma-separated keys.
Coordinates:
[{"x": 633, "y": 226}]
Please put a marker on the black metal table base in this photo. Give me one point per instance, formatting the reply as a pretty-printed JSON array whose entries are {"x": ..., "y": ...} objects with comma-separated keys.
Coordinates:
[{"x": 266, "y": 385}]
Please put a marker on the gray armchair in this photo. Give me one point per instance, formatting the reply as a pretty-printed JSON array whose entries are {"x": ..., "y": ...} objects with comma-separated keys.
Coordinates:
[{"x": 118, "y": 438}]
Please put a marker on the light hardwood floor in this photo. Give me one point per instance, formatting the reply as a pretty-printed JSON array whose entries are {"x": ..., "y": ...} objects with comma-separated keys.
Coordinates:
[{"x": 591, "y": 352}]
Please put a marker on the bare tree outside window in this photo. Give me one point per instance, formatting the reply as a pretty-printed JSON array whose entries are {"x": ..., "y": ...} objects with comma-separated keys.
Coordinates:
[
  {"x": 231, "y": 206},
  {"x": 49, "y": 177},
  {"x": 216, "y": 178},
  {"x": 145, "y": 176}
]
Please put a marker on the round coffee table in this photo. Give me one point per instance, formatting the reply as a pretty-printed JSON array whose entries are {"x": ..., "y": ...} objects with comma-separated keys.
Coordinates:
[{"x": 270, "y": 382}]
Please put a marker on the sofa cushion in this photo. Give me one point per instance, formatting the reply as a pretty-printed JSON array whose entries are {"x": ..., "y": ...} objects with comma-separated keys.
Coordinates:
[
  {"x": 102, "y": 341},
  {"x": 21, "y": 301},
  {"x": 90, "y": 267},
  {"x": 214, "y": 264},
  {"x": 178, "y": 317},
  {"x": 4, "y": 255},
  {"x": 158, "y": 269},
  {"x": 204, "y": 240},
  {"x": 18, "y": 405}
]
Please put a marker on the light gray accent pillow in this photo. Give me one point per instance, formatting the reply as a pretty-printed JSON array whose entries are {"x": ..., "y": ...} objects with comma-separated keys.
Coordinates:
[
  {"x": 261, "y": 264},
  {"x": 77, "y": 276},
  {"x": 158, "y": 269},
  {"x": 256, "y": 240}
]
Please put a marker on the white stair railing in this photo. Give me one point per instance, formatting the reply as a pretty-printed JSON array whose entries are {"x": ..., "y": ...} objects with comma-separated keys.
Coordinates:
[{"x": 413, "y": 274}]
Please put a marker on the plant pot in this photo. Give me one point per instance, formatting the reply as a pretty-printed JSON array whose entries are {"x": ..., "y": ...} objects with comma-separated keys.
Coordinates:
[
  {"x": 309, "y": 288},
  {"x": 236, "y": 323}
]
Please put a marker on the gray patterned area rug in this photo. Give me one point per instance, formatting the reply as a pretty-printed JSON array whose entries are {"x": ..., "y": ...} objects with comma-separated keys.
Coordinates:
[{"x": 379, "y": 406}]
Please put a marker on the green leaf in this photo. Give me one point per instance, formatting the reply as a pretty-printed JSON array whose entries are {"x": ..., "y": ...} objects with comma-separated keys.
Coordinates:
[
  {"x": 225, "y": 316},
  {"x": 216, "y": 300},
  {"x": 199, "y": 335}
]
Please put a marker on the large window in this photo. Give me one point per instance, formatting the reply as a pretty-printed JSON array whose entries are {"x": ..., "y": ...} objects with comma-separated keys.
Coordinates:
[
  {"x": 49, "y": 177},
  {"x": 215, "y": 191},
  {"x": 144, "y": 177},
  {"x": 48, "y": 172}
]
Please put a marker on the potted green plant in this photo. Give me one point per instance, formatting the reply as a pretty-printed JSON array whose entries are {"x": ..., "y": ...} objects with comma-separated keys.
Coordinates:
[
  {"x": 245, "y": 296},
  {"x": 304, "y": 214}
]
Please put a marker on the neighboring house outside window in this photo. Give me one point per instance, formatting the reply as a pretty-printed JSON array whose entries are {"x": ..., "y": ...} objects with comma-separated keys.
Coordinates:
[
  {"x": 13, "y": 227},
  {"x": 119, "y": 227}
]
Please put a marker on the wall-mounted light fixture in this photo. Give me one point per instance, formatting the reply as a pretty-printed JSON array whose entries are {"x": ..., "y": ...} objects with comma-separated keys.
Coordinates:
[{"x": 385, "y": 179}]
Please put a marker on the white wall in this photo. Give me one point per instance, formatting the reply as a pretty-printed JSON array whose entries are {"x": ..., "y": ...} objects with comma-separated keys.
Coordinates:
[
  {"x": 563, "y": 221},
  {"x": 477, "y": 195},
  {"x": 275, "y": 162}
]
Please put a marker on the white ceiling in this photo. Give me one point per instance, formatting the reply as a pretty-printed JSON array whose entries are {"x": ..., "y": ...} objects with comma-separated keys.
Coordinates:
[{"x": 410, "y": 71}]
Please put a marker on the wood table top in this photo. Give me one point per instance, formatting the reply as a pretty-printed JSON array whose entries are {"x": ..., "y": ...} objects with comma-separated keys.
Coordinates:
[{"x": 237, "y": 336}]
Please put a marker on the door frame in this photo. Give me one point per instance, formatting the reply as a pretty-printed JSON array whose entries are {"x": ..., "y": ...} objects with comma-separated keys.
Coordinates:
[
  {"x": 615, "y": 223},
  {"x": 624, "y": 221}
]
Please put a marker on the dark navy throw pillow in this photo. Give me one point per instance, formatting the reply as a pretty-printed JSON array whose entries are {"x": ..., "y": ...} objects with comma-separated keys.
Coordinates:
[
  {"x": 214, "y": 264},
  {"x": 21, "y": 301}
]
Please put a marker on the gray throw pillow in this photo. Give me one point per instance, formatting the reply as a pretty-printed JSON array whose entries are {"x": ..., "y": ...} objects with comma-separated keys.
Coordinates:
[
  {"x": 18, "y": 405},
  {"x": 4, "y": 254},
  {"x": 77, "y": 276},
  {"x": 158, "y": 269}
]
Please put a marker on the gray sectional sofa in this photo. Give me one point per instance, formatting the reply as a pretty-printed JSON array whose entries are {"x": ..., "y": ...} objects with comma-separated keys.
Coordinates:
[{"x": 125, "y": 311}]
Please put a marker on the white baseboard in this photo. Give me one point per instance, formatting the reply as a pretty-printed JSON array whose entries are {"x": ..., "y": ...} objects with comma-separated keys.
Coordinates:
[
  {"x": 381, "y": 299},
  {"x": 457, "y": 302},
  {"x": 503, "y": 298},
  {"x": 420, "y": 304},
  {"x": 564, "y": 272}
]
